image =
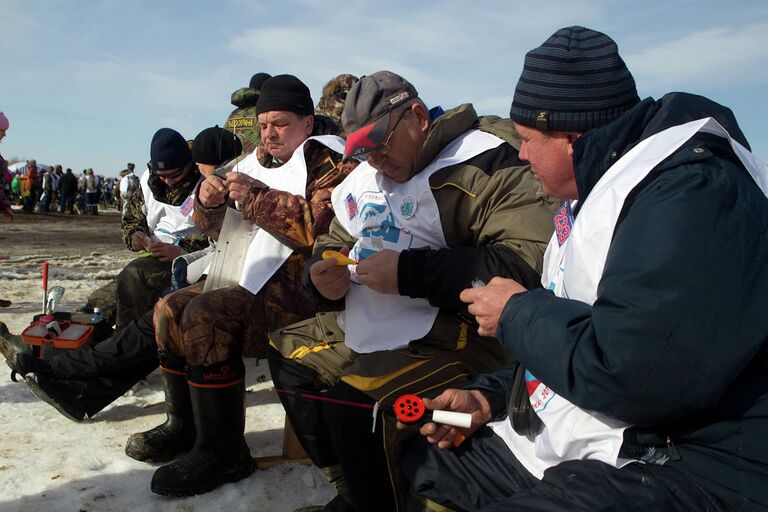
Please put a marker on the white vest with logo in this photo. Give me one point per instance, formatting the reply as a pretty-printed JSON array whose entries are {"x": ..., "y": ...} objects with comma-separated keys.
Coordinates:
[
  {"x": 168, "y": 223},
  {"x": 573, "y": 270},
  {"x": 383, "y": 214},
  {"x": 266, "y": 254}
]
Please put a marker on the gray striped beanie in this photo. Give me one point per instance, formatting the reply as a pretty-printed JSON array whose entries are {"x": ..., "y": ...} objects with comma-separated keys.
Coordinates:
[{"x": 573, "y": 82}]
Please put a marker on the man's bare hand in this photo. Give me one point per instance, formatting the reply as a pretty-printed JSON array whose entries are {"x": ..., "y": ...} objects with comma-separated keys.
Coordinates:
[
  {"x": 330, "y": 279},
  {"x": 240, "y": 186},
  {"x": 487, "y": 303},
  {"x": 213, "y": 192},
  {"x": 163, "y": 251},
  {"x": 379, "y": 271},
  {"x": 139, "y": 241},
  {"x": 459, "y": 400}
]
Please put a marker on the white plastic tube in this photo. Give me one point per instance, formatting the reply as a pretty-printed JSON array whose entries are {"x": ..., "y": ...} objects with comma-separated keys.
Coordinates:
[{"x": 455, "y": 419}]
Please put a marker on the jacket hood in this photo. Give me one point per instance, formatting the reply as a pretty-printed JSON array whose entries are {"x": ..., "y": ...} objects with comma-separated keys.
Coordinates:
[
  {"x": 443, "y": 130},
  {"x": 595, "y": 151}
]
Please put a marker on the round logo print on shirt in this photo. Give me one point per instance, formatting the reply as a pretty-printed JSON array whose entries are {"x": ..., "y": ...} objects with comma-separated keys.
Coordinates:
[{"x": 408, "y": 207}]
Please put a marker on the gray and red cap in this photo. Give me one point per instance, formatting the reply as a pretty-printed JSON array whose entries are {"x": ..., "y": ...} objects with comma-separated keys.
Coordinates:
[{"x": 367, "y": 109}]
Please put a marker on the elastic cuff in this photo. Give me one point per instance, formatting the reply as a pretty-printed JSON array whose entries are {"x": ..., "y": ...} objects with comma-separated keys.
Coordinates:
[
  {"x": 411, "y": 273},
  {"x": 497, "y": 402}
]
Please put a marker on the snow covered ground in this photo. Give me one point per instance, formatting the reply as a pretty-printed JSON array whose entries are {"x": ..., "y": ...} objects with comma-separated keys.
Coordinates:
[{"x": 49, "y": 463}]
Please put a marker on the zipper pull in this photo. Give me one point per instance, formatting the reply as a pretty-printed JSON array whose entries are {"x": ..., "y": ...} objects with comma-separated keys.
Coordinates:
[{"x": 673, "y": 451}]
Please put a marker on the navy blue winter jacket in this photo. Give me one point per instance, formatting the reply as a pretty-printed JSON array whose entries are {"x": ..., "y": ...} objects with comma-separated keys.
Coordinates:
[{"x": 676, "y": 341}]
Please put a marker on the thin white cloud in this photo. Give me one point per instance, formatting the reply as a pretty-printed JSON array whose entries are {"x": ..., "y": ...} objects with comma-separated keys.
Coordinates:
[{"x": 704, "y": 60}]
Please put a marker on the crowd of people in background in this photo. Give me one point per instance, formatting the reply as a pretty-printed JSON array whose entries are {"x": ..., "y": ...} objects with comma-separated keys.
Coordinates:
[{"x": 49, "y": 188}]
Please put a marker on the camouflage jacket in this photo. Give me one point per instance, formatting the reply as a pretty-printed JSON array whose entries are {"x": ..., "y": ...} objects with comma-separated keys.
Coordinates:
[
  {"x": 294, "y": 220},
  {"x": 135, "y": 217},
  {"x": 242, "y": 121}
]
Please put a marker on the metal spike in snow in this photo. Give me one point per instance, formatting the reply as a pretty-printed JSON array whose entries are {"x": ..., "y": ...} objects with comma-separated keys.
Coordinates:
[
  {"x": 55, "y": 294},
  {"x": 234, "y": 238}
]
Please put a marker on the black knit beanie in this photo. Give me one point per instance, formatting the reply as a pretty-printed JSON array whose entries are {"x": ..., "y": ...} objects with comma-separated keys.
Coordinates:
[
  {"x": 258, "y": 80},
  {"x": 168, "y": 150},
  {"x": 285, "y": 92},
  {"x": 214, "y": 146},
  {"x": 573, "y": 82}
]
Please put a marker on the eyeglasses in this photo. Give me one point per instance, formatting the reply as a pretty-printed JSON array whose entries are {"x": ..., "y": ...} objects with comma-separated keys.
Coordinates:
[
  {"x": 168, "y": 176},
  {"x": 384, "y": 147}
]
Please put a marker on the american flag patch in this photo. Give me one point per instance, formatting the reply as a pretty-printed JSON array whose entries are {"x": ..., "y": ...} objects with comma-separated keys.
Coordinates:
[
  {"x": 186, "y": 206},
  {"x": 563, "y": 223},
  {"x": 351, "y": 206}
]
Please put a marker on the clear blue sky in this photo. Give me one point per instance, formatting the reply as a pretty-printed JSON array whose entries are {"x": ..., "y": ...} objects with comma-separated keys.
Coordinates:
[{"x": 87, "y": 83}]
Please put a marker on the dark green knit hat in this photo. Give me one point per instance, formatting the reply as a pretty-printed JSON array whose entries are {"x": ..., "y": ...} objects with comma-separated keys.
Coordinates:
[{"x": 575, "y": 81}]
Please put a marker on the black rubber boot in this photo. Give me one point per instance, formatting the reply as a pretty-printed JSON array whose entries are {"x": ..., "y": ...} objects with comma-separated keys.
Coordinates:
[
  {"x": 220, "y": 454},
  {"x": 11, "y": 345},
  {"x": 57, "y": 394},
  {"x": 177, "y": 434}
]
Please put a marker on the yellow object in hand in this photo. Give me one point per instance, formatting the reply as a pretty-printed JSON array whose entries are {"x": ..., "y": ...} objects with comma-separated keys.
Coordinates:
[{"x": 341, "y": 259}]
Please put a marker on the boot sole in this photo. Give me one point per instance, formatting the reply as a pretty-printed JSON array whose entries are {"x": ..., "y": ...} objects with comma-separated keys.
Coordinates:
[
  {"x": 39, "y": 392},
  {"x": 245, "y": 471}
]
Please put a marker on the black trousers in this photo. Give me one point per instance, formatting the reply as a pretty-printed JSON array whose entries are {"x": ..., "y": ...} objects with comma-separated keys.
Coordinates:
[
  {"x": 139, "y": 285},
  {"x": 482, "y": 474},
  {"x": 333, "y": 433},
  {"x": 102, "y": 373}
]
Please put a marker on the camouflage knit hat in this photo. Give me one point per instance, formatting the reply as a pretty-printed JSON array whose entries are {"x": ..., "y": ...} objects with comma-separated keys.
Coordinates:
[
  {"x": 367, "y": 108},
  {"x": 331, "y": 104},
  {"x": 574, "y": 81}
]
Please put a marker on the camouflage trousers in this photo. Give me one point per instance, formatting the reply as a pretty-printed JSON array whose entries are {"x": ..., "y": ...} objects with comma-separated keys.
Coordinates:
[{"x": 208, "y": 328}]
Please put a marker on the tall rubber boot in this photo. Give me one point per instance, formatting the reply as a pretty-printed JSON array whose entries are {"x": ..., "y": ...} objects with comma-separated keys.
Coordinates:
[
  {"x": 177, "y": 434},
  {"x": 220, "y": 454}
]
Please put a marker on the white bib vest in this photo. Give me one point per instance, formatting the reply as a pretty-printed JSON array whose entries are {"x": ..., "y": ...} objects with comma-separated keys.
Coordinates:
[
  {"x": 167, "y": 222},
  {"x": 383, "y": 214},
  {"x": 265, "y": 253},
  {"x": 573, "y": 270}
]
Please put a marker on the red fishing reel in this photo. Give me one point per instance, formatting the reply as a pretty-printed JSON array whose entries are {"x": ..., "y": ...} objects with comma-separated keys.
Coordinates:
[{"x": 409, "y": 409}]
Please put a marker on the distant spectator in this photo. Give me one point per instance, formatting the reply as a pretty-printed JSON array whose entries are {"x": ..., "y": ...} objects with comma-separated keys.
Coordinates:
[
  {"x": 5, "y": 204},
  {"x": 31, "y": 187},
  {"x": 91, "y": 189},
  {"x": 56, "y": 183},
  {"x": 67, "y": 191},
  {"x": 129, "y": 183},
  {"x": 46, "y": 180}
]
